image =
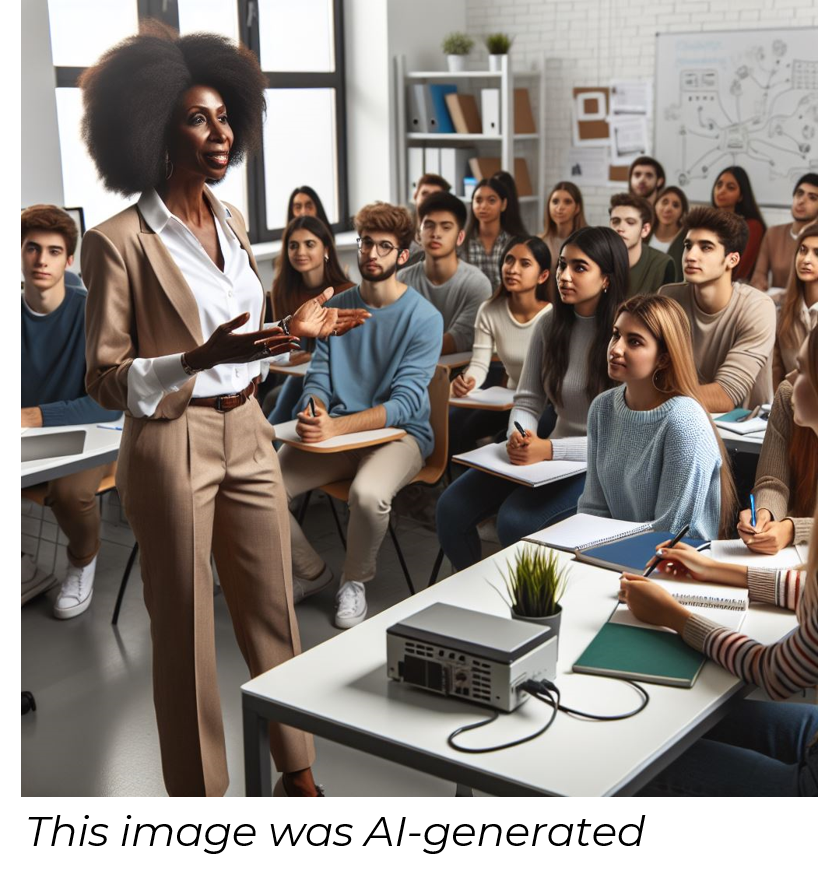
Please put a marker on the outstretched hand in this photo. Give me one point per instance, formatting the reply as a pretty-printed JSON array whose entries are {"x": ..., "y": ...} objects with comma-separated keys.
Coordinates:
[
  {"x": 225, "y": 347},
  {"x": 313, "y": 319}
]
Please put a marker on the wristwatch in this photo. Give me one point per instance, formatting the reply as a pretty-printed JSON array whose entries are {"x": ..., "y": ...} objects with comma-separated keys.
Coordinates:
[
  {"x": 285, "y": 324},
  {"x": 188, "y": 369}
]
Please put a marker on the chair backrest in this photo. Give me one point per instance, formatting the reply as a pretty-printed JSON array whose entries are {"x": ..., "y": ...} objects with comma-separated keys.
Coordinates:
[{"x": 439, "y": 400}]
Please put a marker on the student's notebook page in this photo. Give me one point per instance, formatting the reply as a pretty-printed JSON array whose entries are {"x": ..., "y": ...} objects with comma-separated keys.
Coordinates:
[
  {"x": 734, "y": 551},
  {"x": 582, "y": 531},
  {"x": 494, "y": 458},
  {"x": 494, "y": 397},
  {"x": 727, "y": 618},
  {"x": 286, "y": 432}
]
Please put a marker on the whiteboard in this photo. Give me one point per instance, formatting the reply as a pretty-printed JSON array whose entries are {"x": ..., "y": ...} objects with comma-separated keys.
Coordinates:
[{"x": 747, "y": 98}]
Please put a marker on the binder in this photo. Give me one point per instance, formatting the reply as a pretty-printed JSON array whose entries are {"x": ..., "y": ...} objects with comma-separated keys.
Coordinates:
[
  {"x": 454, "y": 166},
  {"x": 523, "y": 117},
  {"x": 631, "y": 555},
  {"x": 464, "y": 113},
  {"x": 440, "y": 111},
  {"x": 490, "y": 106},
  {"x": 431, "y": 160},
  {"x": 414, "y": 168},
  {"x": 418, "y": 110}
]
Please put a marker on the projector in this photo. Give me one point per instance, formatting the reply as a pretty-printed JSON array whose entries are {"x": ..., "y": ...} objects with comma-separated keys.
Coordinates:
[{"x": 470, "y": 655}]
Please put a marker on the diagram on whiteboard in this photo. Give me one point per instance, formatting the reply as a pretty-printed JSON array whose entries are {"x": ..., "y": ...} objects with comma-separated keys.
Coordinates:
[{"x": 753, "y": 105}]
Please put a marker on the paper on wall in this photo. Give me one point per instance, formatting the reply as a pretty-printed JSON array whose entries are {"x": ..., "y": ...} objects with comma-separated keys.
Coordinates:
[{"x": 630, "y": 96}]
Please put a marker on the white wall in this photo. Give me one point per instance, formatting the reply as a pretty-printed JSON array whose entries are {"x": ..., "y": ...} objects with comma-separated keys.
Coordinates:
[{"x": 589, "y": 42}]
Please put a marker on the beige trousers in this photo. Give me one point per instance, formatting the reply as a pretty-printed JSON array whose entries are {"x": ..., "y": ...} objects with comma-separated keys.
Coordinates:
[
  {"x": 74, "y": 503},
  {"x": 377, "y": 473},
  {"x": 210, "y": 481}
]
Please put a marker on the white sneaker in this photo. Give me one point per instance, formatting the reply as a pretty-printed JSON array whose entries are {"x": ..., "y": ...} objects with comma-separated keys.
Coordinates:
[
  {"x": 351, "y": 599},
  {"x": 304, "y": 588},
  {"x": 33, "y": 580},
  {"x": 76, "y": 591}
]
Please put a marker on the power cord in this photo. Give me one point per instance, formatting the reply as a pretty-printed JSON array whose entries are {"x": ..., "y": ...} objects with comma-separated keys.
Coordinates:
[{"x": 548, "y": 693}]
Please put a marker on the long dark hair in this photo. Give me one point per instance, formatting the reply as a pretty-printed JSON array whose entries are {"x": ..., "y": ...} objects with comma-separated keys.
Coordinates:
[
  {"x": 502, "y": 192},
  {"x": 288, "y": 281},
  {"x": 319, "y": 206},
  {"x": 514, "y": 220},
  {"x": 540, "y": 252},
  {"x": 607, "y": 250},
  {"x": 747, "y": 206}
]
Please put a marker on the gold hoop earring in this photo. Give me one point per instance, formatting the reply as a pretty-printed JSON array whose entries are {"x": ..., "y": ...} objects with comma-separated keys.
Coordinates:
[{"x": 656, "y": 373}]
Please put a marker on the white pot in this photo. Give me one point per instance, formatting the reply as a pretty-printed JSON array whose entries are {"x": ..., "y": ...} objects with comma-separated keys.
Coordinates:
[
  {"x": 456, "y": 63},
  {"x": 496, "y": 62}
]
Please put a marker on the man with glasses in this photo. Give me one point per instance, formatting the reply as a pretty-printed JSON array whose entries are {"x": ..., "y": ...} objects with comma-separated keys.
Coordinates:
[{"x": 379, "y": 379}]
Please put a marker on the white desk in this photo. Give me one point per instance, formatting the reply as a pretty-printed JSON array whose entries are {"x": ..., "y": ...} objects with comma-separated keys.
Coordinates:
[
  {"x": 454, "y": 359},
  {"x": 339, "y": 690},
  {"x": 290, "y": 370},
  {"x": 101, "y": 446},
  {"x": 741, "y": 443}
]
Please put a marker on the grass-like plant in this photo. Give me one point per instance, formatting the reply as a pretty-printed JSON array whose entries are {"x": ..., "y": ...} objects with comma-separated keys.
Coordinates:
[
  {"x": 534, "y": 582},
  {"x": 498, "y": 44},
  {"x": 457, "y": 43}
]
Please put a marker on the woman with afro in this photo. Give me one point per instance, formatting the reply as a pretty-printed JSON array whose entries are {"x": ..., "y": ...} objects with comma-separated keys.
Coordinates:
[{"x": 171, "y": 280}]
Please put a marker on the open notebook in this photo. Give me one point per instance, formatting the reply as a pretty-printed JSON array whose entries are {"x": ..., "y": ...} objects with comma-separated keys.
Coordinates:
[
  {"x": 286, "y": 432},
  {"x": 583, "y": 531},
  {"x": 493, "y": 458},
  {"x": 734, "y": 551},
  {"x": 493, "y": 398}
]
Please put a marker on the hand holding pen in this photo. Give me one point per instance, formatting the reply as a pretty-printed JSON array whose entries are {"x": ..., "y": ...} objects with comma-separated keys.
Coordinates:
[{"x": 654, "y": 561}]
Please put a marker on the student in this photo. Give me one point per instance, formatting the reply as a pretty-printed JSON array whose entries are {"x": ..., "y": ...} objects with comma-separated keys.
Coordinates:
[
  {"x": 778, "y": 245},
  {"x": 653, "y": 452},
  {"x": 632, "y": 218},
  {"x": 798, "y": 305},
  {"x": 427, "y": 184},
  {"x": 514, "y": 218},
  {"x": 566, "y": 367},
  {"x": 487, "y": 232},
  {"x": 646, "y": 177},
  {"x": 733, "y": 192},
  {"x": 564, "y": 213},
  {"x": 761, "y": 748},
  {"x": 455, "y": 288},
  {"x": 307, "y": 264},
  {"x": 304, "y": 200},
  {"x": 732, "y": 324},
  {"x": 668, "y": 232},
  {"x": 504, "y": 325},
  {"x": 379, "y": 379},
  {"x": 52, "y": 369}
]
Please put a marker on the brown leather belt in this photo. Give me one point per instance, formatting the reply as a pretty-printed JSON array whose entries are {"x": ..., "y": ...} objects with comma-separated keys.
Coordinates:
[{"x": 223, "y": 403}]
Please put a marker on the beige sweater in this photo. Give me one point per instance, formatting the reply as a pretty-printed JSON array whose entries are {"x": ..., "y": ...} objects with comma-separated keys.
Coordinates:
[
  {"x": 776, "y": 255},
  {"x": 785, "y": 353}
]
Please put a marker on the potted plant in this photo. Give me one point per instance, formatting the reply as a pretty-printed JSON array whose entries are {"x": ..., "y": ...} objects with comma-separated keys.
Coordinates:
[
  {"x": 456, "y": 46},
  {"x": 535, "y": 582},
  {"x": 498, "y": 45}
]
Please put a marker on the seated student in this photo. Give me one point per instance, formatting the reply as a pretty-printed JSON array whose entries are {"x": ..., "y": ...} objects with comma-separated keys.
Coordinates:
[
  {"x": 646, "y": 178},
  {"x": 505, "y": 324},
  {"x": 488, "y": 229},
  {"x": 565, "y": 366},
  {"x": 632, "y": 218},
  {"x": 653, "y": 452},
  {"x": 514, "y": 217},
  {"x": 564, "y": 213},
  {"x": 52, "y": 363},
  {"x": 427, "y": 184},
  {"x": 777, "y": 251},
  {"x": 455, "y": 288},
  {"x": 304, "y": 200},
  {"x": 761, "y": 748},
  {"x": 732, "y": 324},
  {"x": 307, "y": 264},
  {"x": 668, "y": 232},
  {"x": 786, "y": 482},
  {"x": 798, "y": 304},
  {"x": 379, "y": 379},
  {"x": 733, "y": 192}
]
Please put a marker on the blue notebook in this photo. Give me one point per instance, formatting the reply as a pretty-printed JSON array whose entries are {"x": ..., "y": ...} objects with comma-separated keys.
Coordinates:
[
  {"x": 439, "y": 110},
  {"x": 631, "y": 555}
]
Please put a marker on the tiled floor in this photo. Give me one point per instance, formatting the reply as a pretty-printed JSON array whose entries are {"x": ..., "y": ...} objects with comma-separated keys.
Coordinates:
[{"x": 94, "y": 732}]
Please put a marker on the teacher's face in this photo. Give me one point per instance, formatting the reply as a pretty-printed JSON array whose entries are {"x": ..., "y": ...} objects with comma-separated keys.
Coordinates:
[{"x": 200, "y": 135}]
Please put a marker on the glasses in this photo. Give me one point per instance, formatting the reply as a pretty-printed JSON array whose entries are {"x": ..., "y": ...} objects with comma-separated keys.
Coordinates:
[{"x": 384, "y": 249}]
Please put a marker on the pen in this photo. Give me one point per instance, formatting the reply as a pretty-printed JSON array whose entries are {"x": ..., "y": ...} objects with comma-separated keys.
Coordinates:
[
  {"x": 312, "y": 406},
  {"x": 655, "y": 561},
  {"x": 750, "y": 416},
  {"x": 520, "y": 429},
  {"x": 752, "y": 510},
  {"x": 112, "y": 428}
]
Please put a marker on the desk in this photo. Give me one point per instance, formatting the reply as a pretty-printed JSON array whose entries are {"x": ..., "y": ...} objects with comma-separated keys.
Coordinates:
[
  {"x": 741, "y": 443},
  {"x": 454, "y": 360},
  {"x": 339, "y": 690},
  {"x": 101, "y": 446},
  {"x": 289, "y": 370}
]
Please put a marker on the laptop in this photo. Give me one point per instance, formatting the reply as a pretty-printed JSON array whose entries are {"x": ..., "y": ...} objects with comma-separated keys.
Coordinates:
[{"x": 51, "y": 445}]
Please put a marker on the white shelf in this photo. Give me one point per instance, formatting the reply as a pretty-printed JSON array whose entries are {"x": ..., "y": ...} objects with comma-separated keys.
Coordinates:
[
  {"x": 454, "y": 75},
  {"x": 455, "y": 136}
]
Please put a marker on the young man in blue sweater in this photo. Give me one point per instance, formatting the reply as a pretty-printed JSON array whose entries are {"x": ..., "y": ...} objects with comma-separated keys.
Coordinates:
[
  {"x": 52, "y": 350},
  {"x": 380, "y": 378}
]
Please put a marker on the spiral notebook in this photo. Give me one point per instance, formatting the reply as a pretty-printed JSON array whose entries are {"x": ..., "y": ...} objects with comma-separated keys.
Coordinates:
[{"x": 583, "y": 531}]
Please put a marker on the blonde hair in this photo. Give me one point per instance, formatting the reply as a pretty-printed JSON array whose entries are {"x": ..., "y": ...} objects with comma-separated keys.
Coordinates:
[{"x": 669, "y": 325}]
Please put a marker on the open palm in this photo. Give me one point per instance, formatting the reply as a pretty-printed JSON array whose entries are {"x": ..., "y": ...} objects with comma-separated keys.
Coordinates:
[{"x": 313, "y": 319}]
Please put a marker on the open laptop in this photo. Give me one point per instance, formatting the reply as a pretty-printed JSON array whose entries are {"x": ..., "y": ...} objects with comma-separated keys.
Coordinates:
[{"x": 53, "y": 444}]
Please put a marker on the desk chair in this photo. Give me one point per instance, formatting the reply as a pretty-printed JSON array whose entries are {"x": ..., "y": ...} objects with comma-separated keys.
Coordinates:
[{"x": 429, "y": 475}]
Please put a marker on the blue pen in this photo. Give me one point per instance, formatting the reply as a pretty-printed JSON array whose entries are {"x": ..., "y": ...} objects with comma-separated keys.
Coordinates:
[
  {"x": 112, "y": 428},
  {"x": 752, "y": 510}
]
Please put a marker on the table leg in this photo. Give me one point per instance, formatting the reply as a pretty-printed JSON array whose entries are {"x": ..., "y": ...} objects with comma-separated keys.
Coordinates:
[
  {"x": 462, "y": 790},
  {"x": 257, "y": 766}
]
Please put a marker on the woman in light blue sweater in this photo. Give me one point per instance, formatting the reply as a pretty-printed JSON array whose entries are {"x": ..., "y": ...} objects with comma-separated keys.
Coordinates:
[{"x": 653, "y": 452}]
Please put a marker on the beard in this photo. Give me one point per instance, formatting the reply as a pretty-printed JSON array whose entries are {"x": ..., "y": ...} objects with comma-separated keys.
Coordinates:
[{"x": 377, "y": 277}]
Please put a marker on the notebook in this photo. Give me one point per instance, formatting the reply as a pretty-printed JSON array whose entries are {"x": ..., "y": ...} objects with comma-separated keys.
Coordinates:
[
  {"x": 748, "y": 427},
  {"x": 583, "y": 531},
  {"x": 493, "y": 398},
  {"x": 734, "y": 551},
  {"x": 286, "y": 432},
  {"x": 631, "y": 555},
  {"x": 493, "y": 458}
]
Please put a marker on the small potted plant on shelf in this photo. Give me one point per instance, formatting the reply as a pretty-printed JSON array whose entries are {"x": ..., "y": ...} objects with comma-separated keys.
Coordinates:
[
  {"x": 498, "y": 45},
  {"x": 535, "y": 582},
  {"x": 456, "y": 46}
]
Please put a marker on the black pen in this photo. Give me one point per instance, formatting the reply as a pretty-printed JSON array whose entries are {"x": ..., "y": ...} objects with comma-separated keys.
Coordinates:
[
  {"x": 655, "y": 560},
  {"x": 312, "y": 407},
  {"x": 520, "y": 429}
]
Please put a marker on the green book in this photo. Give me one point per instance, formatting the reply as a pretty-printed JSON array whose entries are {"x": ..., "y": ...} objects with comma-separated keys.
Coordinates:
[{"x": 641, "y": 654}]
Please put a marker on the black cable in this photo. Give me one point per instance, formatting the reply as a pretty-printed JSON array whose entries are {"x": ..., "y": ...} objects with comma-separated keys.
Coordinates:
[{"x": 548, "y": 685}]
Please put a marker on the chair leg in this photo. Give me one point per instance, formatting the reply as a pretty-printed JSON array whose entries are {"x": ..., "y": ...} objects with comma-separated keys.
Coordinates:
[
  {"x": 302, "y": 511},
  {"x": 337, "y": 521},
  {"x": 400, "y": 558},
  {"x": 124, "y": 583},
  {"x": 436, "y": 568}
]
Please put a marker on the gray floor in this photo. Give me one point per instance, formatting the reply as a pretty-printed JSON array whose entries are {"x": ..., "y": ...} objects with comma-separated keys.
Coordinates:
[{"x": 94, "y": 732}]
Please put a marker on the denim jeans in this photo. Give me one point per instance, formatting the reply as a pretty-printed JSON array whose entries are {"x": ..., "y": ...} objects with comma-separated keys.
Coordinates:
[
  {"x": 759, "y": 749},
  {"x": 287, "y": 401}
]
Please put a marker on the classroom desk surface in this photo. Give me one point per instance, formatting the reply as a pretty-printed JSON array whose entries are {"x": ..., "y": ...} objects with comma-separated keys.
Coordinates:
[
  {"x": 101, "y": 446},
  {"x": 340, "y": 691},
  {"x": 290, "y": 370},
  {"x": 454, "y": 359},
  {"x": 741, "y": 443}
]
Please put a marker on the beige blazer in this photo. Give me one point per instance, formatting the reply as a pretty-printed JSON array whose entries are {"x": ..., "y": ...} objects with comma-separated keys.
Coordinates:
[{"x": 139, "y": 306}]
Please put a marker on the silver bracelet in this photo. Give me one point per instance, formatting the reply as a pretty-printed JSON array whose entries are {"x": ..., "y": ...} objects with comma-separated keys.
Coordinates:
[{"x": 188, "y": 369}]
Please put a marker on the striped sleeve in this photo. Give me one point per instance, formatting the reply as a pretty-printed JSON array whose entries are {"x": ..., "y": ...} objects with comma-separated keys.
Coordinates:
[{"x": 781, "y": 668}]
